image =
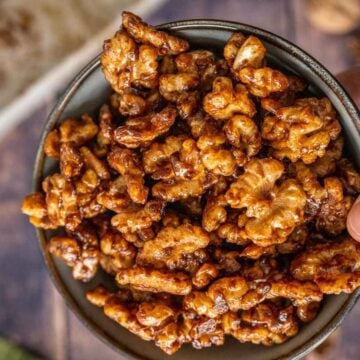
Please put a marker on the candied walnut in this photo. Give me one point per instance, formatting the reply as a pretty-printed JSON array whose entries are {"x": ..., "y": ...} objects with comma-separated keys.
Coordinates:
[
  {"x": 202, "y": 331},
  {"x": 262, "y": 82},
  {"x": 136, "y": 218},
  {"x": 71, "y": 162},
  {"x": 106, "y": 126},
  {"x": 92, "y": 162},
  {"x": 176, "y": 283},
  {"x": 272, "y": 215},
  {"x": 167, "y": 65},
  {"x": 243, "y": 133},
  {"x": 254, "y": 252},
  {"x": 172, "y": 85},
  {"x": 299, "y": 292},
  {"x": 34, "y": 206},
  {"x": 154, "y": 314},
  {"x": 310, "y": 183},
  {"x": 168, "y": 338},
  {"x": 172, "y": 245},
  {"x": 224, "y": 101},
  {"x": 202, "y": 124},
  {"x": 307, "y": 312},
  {"x": 334, "y": 209},
  {"x": 78, "y": 131},
  {"x": 285, "y": 98},
  {"x": 192, "y": 179},
  {"x": 118, "y": 54},
  {"x": 156, "y": 159},
  {"x": 222, "y": 295},
  {"x": 228, "y": 289},
  {"x": 227, "y": 261},
  {"x": 334, "y": 266},
  {"x": 67, "y": 248},
  {"x": 214, "y": 213},
  {"x": 166, "y": 44},
  {"x": 241, "y": 53},
  {"x": 144, "y": 72},
  {"x": 61, "y": 202},
  {"x": 330, "y": 284},
  {"x": 327, "y": 164},
  {"x": 140, "y": 131},
  {"x": 86, "y": 189},
  {"x": 232, "y": 47},
  {"x": 349, "y": 176},
  {"x": 115, "y": 198},
  {"x": 214, "y": 156},
  {"x": 98, "y": 296},
  {"x": 79, "y": 251},
  {"x": 196, "y": 61},
  {"x": 276, "y": 319},
  {"x": 187, "y": 103},
  {"x": 119, "y": 253},
  {"x": 52, "y": 144},
  {"x": 232, "y": 229},
  {"x": 129, "y": 103},
  {"x": 124, "y": 315},
  {"x": 302, "y": 131},
  {"x": 126, "y": 64},
  {"x": 201, "y": 62},
  {"x": 204, "y": 275},
  {"x": 182, "y": 189},
  {"x": 127, "y": 163}
]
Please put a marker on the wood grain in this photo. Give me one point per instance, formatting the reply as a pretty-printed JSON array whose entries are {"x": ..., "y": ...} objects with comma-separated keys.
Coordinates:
[{"x": 32, "y": 313}]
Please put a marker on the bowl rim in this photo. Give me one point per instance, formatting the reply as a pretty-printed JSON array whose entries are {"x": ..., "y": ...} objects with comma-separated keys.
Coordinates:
[{"x": 93, "y": 65}]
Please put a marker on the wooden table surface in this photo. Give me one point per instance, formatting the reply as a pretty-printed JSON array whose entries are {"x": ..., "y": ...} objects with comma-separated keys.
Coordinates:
[{"x": 32, "y": 313}]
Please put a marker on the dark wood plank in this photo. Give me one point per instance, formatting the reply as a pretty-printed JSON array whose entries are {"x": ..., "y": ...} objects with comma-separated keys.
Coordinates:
[{"x": 26, "y": 295}]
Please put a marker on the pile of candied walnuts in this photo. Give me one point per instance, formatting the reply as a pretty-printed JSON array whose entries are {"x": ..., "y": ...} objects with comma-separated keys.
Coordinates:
[{"x": 210, "y": 188}]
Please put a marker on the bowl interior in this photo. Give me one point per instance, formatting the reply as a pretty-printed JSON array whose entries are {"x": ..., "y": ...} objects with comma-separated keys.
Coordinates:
[{"x": 90, "y": 90}]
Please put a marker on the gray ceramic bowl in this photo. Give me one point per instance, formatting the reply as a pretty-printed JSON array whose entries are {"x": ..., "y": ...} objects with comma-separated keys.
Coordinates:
[{"x": 88, "y": 92}]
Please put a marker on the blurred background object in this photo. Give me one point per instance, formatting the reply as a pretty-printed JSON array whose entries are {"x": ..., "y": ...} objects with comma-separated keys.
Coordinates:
[{"x": 43, "y": 44}]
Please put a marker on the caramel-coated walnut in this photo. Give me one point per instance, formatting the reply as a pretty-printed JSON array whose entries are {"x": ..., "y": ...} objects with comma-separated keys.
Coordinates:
[
  {"x": 303, "y": 130},
  {"x": 273, "y": 211},
  {"x": 262, "y": 82},
  {"x": 79, "y": 251},
  {"x": 61, "y": 202},
  {"x": 204, "y": 275},
  {"x": 136, "y": 217},
  {"x": 334, "y": 266},
  {"x": 34, "y": 205},
  {"x": 127, "y": 163},
  {"x": 243, "y": 133},
  {"x": 176, "y": 283},
  {"x": 71, "y": 162},
  {"x": 78, "y": 131},
  {"x": 334, "y": 209},
  {"x": 172, "y": 85},
  {"x": 166, "y": 44},
  {"x": 241, "y": 53},
  {"x": 156, "y": 159},
  {"x": 224, "y": 100},
  {"x": 172, "y": 245},
  {"x": 140, "y": 131},
  {"x": 119, "y": 253},
  {"x": 214, "y": 213}
]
